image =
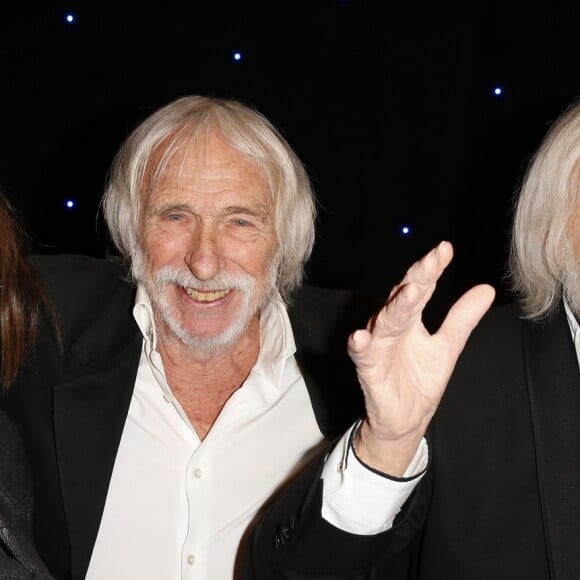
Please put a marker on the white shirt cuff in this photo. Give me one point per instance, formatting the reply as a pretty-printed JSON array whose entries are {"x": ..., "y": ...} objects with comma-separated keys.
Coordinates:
[{"x": 357, "y": 499}]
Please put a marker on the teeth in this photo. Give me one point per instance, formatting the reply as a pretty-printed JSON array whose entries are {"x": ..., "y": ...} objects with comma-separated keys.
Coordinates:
[{"x": 205, "y": 296}]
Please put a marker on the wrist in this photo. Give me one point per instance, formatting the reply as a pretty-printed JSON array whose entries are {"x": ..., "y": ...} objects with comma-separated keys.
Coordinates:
[{"x": 388, "y": 456}]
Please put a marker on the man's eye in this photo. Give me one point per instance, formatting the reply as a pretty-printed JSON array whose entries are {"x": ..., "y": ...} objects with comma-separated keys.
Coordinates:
[
  {"x": 241, "y": 223},
  {"x": 174, "y": 217}
]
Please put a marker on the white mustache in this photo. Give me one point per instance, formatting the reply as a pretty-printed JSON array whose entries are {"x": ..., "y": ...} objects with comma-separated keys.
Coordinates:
[{"x": 221, "y": 281}]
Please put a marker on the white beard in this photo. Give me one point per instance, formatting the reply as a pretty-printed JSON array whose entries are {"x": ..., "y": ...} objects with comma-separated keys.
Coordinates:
[{"x": 253, "y": 301}]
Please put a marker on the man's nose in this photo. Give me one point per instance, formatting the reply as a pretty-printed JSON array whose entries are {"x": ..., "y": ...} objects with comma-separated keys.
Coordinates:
[{"x": 204, "y": 258}]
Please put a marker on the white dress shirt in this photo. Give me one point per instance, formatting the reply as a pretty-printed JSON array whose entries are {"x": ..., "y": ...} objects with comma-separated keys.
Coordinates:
[
  {"x": 574, "y": 328},
  {"x": 177, "y": 507}
]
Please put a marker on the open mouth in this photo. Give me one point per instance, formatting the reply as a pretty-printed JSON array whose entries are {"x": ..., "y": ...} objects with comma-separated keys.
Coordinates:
[{"x": 206, "y": 296}]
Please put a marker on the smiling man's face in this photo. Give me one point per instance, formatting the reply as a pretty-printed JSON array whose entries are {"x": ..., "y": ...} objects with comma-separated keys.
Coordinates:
[{"x": 208, "y": 246}]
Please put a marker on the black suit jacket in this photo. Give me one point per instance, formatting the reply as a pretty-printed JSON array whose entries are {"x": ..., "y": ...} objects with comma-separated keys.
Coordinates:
[
  {"x": 506, "y": 457},
  {"x": 71, "y": 402},
  {"x": 18, "y": 557}
]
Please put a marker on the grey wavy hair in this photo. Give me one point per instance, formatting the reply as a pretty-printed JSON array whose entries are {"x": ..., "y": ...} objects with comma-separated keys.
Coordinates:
[
  {"x": 162, "y": 140},
  {"x": 544, "y": 265}
]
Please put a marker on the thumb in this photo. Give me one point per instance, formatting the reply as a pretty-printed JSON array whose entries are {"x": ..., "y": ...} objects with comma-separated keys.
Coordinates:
[
  {"x": 358, "y": 341},
  {"x": 465, "y": 314}
]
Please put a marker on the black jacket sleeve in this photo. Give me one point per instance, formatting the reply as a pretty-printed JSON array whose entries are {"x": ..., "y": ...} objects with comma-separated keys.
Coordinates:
[{"x": 292, "y": 541}]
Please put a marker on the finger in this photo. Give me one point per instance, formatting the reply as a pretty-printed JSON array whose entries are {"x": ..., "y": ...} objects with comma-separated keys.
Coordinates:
[
  {"x": 429, "y": 268},
  {"x": 465, "y": 314},
  {"x": 408, "y": 299},
  {"x": 401, "y": 311},
  {"x": 358, "y": 341}
]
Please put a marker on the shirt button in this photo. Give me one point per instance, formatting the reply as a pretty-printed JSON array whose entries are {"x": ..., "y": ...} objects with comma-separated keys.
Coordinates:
[
  {"x": 191, "y": 559},
  {"x": 197, "y": 473}
]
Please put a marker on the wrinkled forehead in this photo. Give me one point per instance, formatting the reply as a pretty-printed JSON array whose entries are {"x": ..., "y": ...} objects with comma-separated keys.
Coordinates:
[{"x": 177, "y": 157}]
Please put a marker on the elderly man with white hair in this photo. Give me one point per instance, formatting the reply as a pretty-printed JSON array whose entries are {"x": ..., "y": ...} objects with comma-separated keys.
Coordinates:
[{"x": 194, "y": 379}]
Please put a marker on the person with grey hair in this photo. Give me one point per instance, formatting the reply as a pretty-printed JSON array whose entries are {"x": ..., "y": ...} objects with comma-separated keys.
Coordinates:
[
  {"x": 505, "y": 459},
  {"x": 200, "y": 378}
]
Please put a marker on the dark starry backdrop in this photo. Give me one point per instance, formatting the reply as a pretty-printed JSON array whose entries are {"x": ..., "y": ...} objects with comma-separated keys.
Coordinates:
[{"x": 391, "y": 106}]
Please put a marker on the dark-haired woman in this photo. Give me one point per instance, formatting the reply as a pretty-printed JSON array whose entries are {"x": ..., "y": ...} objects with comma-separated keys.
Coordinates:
[{"x": 20, "y": 303}]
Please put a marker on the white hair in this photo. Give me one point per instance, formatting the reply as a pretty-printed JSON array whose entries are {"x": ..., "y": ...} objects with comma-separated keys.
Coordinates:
[{"x": 543, "y": 262}]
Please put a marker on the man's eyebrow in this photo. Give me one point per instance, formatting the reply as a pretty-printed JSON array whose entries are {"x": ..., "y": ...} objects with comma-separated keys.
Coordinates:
[
  {"x": 260, "y": 211},
  {"x": 165, "y": 207}
]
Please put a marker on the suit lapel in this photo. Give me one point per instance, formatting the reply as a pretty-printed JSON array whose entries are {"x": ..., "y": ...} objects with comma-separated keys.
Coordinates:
[
  {"x": 89, "y": 415},
  {"x": 554, "y": 390},
  {"x": 322, "y": 320}
]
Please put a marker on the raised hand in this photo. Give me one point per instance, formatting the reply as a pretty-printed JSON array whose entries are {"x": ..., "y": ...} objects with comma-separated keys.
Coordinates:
[{"x": 402, "y": 368}]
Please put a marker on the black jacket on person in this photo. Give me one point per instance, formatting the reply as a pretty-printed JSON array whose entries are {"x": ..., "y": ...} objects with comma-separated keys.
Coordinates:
[
  {"x": 506, "y": 457},
  {"x": 71, "y": 407},
  {"x": 18, "y": 557}
]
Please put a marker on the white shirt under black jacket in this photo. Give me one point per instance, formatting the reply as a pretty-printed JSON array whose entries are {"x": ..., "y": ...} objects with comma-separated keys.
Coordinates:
[{"x": 177, "y": 507}]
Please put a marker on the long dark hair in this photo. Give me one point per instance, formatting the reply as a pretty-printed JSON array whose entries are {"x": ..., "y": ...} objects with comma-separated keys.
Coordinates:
[{"x": 20, "y": 295}]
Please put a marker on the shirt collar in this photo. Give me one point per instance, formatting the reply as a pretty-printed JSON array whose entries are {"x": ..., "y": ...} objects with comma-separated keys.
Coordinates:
[
  {"x": 143, "y": 315},
  {"x": 574, "y": 328},
  {"x": 277, "y": 342}
]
